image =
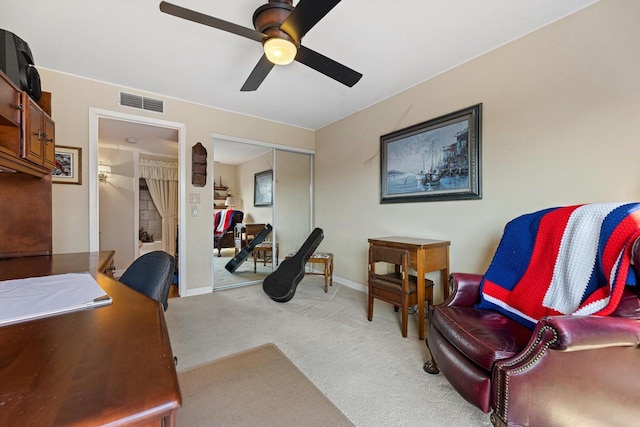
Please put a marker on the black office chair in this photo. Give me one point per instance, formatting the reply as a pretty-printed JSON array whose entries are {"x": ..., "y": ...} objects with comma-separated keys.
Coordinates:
[{"x": 151, "y": 275}]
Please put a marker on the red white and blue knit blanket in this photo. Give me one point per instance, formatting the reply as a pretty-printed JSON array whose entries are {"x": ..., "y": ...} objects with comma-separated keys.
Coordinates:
[
  {"x": 222, "y": 221},
  {"x": 566, "y": 260}
]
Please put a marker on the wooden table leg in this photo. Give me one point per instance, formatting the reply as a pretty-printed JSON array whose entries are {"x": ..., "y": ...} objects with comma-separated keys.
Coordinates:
[
  {"x": 326, "y": 274},
  {"x": 421, "y": 282},
  {"x": 444, "y": 279},
  {"x": 331, "y": 271},
  {"x": 255, "y": 260}
]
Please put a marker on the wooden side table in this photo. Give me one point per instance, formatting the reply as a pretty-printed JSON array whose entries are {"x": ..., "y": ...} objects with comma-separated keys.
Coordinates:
[
  {"x": 325, "y": 258},
  {"x": 264, "y": 252},
  {"x": 425, "y": 255}
]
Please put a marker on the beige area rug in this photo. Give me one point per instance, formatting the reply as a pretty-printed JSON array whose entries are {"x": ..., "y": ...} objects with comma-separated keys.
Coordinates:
[{"x": 257, "y": 387}]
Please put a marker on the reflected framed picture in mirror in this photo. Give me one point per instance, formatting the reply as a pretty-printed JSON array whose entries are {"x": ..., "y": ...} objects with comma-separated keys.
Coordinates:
[{"x": 263, "y": 188}]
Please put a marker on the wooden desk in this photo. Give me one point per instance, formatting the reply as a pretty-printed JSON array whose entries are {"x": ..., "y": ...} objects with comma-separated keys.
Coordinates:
[
  {"x": 108, "y": 365},
  {"x": 425, "y": 255}
]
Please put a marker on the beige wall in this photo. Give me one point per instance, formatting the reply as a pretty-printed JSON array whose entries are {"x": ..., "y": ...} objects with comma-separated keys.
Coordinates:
[
  {"x": 561, "y": 125},
  {"x": 72, "y": 97},
  {"x": 116, "y": 201},
  {"x": 292, "y": 200}
]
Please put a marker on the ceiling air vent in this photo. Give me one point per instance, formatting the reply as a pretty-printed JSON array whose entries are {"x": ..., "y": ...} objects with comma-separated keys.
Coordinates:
[{"x": 141, "y": 102}]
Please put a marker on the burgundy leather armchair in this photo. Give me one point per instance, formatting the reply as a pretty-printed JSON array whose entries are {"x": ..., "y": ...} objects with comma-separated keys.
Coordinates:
[{"x": 568, "y": 371}]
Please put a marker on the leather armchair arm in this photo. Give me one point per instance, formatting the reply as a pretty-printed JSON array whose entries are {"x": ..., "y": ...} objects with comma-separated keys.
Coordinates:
[
  {"x": 595, "y": 355},
  {"x": 576, "y": 333},
  {"x": 465, "y": 289}
]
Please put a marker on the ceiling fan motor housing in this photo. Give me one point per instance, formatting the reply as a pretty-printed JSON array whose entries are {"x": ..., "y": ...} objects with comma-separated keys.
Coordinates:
[
  {"x": 268, "y": 18},
  {"x": 280, "y": 28}
]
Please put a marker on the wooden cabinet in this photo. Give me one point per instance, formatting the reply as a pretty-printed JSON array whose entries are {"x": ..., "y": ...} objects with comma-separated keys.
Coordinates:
[
  {"x": 27, "y": 132},
  {"x": 27, "y": 155},
  {"x": 9, "y": 103},
  {"x": 39, "y": 134}
]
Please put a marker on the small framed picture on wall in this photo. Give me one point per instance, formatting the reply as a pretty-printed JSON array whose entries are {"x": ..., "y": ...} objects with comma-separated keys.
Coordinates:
[{"x": 68, "y": 169}]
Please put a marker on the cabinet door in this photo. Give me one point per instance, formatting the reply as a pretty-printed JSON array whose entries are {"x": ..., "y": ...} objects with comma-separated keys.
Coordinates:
[
  {"x": 33, "y": 148},
  {"x": 9, "y": 103},
  {"x": 49, "y": 142}
]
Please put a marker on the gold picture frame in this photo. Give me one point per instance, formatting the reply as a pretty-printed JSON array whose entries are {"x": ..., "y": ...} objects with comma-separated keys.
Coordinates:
[{"x": 68, "y": 169}]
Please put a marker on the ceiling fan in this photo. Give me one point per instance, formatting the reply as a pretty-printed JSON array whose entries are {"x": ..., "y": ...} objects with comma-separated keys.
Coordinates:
[{"x": 279, "y": 27}]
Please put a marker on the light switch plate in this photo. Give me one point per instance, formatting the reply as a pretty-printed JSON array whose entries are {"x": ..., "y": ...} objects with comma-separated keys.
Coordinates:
[{"x": 194, "y": 198}]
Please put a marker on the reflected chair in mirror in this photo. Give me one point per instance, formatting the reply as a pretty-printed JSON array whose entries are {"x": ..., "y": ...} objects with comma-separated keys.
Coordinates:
[
  {"x": 398, "y": 287},
  {"x": 223, "y": 226},
  {"x": 151, "y": 275}
]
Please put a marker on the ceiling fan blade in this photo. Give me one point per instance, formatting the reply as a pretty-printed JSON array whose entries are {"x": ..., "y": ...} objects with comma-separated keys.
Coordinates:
[
  {"x": 258, "y": 74},
  {"x": 203, "y": 19},
  {"x": 327, "y": 66},
  {"x": 305, "y": 15}
]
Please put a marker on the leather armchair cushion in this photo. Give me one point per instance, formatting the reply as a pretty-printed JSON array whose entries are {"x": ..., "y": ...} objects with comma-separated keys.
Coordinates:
[
  {"x": 472, "y": 382},
  {"x": 483, "y": 336}
]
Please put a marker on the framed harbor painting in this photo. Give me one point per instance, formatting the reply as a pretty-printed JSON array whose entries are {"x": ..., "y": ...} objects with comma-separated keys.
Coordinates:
[{"x": 434, "y": 160}]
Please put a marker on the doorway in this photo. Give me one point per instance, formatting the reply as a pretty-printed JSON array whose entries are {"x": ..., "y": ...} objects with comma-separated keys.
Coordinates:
[{"x": 149, "y": 138}]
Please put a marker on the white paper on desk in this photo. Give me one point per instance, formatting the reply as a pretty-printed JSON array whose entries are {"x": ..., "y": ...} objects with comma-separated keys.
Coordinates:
[{"x": 25, "y": 299}]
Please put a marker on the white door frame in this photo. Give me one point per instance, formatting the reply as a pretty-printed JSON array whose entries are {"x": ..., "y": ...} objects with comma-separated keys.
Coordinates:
[{"x": 94, "y": 225}]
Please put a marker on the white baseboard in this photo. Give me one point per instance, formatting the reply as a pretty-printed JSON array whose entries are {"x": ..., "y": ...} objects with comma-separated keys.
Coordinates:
[
  {"x": 349, "y": 284},
  {"x": 199, "y": 291}
]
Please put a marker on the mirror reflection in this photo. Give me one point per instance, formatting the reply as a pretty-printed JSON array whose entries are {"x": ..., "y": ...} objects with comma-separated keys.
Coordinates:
[
  {"x": 292, "y": 209},
  {"x": 255, "y": 186}
]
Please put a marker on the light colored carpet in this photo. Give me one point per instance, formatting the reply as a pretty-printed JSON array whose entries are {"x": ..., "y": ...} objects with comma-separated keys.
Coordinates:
[
  {"x": 257, "y": 387},
  {"x": 367, "y": 369}
]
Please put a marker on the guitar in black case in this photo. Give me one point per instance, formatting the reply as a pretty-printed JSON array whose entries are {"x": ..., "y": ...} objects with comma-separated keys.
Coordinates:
[
  {"x": 281, "y": 284},
  {"x": 237, "y": 260}
]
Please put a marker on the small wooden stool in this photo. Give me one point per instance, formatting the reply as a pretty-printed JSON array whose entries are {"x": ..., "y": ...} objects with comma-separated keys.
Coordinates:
[
  {"x": 325, "y": 258},
  {"x": 264, "y": 252}
]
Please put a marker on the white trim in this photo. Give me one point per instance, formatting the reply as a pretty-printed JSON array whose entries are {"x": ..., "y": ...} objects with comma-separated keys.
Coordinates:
[
  {"x": 274, "y": 194},
  {"x": 136, "y": 204},
  {"x": 349, "y": 284},
  {"x": 94, "y": 115},
  {"x": 262, "y": 143},
  {"x": 197, "y": 291}
]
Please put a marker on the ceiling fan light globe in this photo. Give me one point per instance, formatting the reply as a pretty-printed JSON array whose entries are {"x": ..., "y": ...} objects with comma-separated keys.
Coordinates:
[{"x": 280, "y": 51}]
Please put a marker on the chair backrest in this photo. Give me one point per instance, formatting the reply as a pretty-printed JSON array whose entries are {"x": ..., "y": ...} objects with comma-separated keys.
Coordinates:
[
  {"x": 398, "y": 257},
  {"x": 389, "y": 255},
  {"x": 236, "y": 218},
  {"x": 151, "y": 275}
]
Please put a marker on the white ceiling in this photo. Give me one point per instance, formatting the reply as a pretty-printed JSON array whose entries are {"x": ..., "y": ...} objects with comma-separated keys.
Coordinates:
[{"x": 394, "y": 44}]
